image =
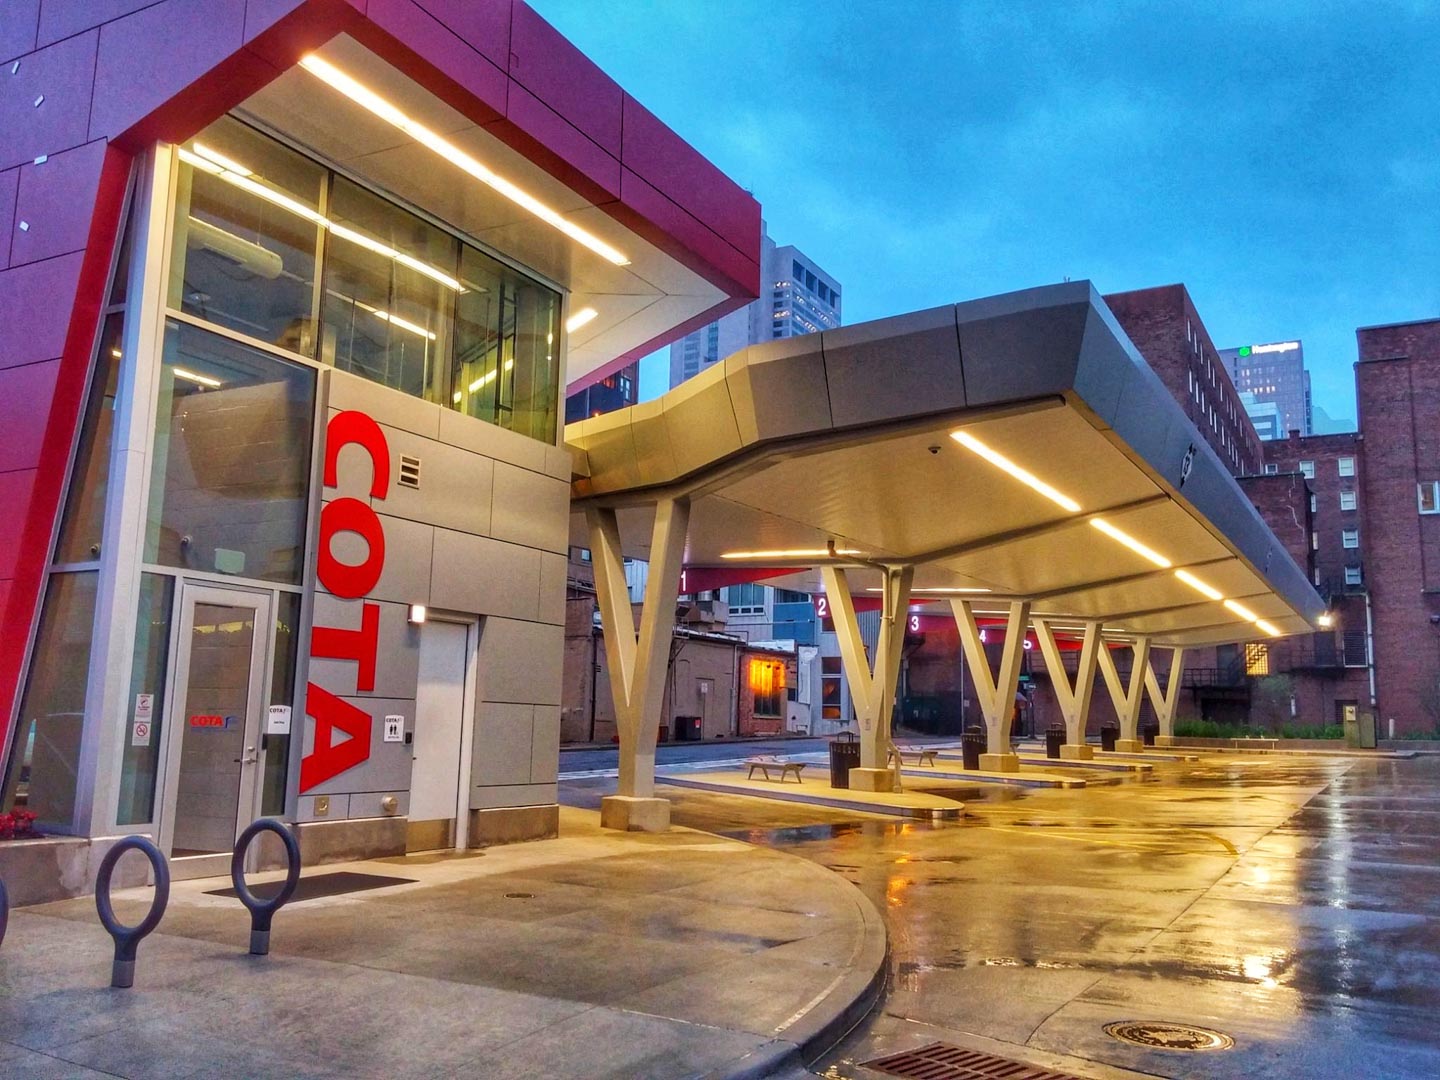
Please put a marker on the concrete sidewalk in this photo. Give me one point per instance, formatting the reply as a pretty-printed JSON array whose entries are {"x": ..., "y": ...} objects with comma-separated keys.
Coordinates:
[{"x": 595, "y": 955}]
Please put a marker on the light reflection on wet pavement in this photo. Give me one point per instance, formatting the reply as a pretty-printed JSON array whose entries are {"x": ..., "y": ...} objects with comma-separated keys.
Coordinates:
[{"x": 1293, "y": 903}]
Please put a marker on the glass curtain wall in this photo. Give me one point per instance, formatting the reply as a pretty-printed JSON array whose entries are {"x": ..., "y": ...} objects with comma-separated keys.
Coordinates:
[{"x": 274, "y": 246}]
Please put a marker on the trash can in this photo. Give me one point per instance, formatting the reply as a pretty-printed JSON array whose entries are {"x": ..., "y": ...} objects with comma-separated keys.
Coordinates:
[
  {"x": 972, "y": 745},
  {"x": 844, "y": 756},
  {"x": 664, "y": 733},
  {"x": 1054, "y": 739},
  {"x": 1148, "y": 733},
  {"x": 687, "y": 729},
  {"x": 1108, "y": 734}
]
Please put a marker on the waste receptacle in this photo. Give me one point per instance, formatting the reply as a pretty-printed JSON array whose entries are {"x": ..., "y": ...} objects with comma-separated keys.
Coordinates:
[
  {"x": 844, "y": 756},
  {"x": 1148, "y": 733},
  {"x": 1054, "y": 739},
  {"x": 1108, "y": 734},
  {"x": 687, "y": 729},
  {"x": 664, "y": 733},
  {"x": 972, "y": 745},
  {"x": 1367, "y": 730}
]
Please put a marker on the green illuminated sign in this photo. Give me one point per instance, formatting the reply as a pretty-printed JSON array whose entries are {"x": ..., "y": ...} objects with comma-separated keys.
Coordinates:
[{"x": 1244, "y": 350}]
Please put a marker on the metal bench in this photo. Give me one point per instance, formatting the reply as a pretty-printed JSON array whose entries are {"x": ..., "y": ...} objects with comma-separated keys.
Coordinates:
[
  {"x": 923, "y": 757},
  {"x": 765, "y": 764}
]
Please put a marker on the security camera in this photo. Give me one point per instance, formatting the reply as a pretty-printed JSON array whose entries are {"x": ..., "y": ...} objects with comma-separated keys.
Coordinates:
[
  {"x": 934, "y": 449},
  {"x": 1435, "y": 618}
]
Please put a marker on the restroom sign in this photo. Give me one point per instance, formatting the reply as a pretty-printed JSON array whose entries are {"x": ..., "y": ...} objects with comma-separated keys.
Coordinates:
[{"x": 394, "y": 729}]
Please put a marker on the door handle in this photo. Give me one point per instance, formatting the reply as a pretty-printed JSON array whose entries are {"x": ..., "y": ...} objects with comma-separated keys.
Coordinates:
[{"x": 250, "y": 757}]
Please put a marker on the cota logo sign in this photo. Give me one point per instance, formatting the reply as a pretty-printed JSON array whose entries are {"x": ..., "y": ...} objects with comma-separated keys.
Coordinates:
[{"x": 331, "y": 713}]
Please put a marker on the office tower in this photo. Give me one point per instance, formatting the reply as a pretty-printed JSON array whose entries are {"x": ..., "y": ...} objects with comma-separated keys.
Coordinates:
[{"x": 1274, "y": 372}]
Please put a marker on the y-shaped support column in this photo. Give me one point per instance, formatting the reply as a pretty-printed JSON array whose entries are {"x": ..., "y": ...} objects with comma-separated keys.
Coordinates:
[
  {"x": 1127, "y": 699},
  {"x": 1074, "y": 699},
  {"x": 871, "y": 691},
  {"x": 638, "y": 667},
  {"x": 996, "y": 693},
  {"x": 1166, "y": 701}
]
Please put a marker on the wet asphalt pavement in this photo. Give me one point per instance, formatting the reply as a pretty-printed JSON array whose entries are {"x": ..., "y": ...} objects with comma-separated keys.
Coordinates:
[{"x": 1292, "y": 903}]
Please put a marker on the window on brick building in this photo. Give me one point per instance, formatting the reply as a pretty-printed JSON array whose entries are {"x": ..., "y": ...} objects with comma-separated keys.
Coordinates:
[
  {"x": 1428, "y": 492},
  {"x": 1271, "y": 470},
  {"x": 1347, "y": 502},
  {"x": 1307, "y": 469},
  {"x": 1350, "y": 538},
  {"x": 1257, "y": 659},
  {"x": 1353, "y": 575},
  {"x": 1346, "y": 465}
]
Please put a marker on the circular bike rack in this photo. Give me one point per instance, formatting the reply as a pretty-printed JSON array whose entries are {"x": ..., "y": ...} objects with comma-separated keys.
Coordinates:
[
  {"x": 262, "y": 911},
  {"x": 122, "y": 973},
  {"x": 4, "y": 911}
]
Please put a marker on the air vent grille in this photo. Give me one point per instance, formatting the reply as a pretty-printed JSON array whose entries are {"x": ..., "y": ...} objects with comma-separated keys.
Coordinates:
[{"x": 409, "y": 471}]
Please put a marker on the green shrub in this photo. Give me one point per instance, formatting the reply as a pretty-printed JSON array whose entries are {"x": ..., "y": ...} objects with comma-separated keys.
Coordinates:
[{"x": 1209, "y": 729}]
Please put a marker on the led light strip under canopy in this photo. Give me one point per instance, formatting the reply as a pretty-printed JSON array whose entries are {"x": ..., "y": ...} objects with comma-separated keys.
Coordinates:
[{"x": 369, "y": 100}]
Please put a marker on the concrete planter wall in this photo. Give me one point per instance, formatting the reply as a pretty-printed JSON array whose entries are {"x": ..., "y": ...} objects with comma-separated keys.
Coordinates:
[
  {"x": 59, "y": 867},
  {"x": 1261, "y": 743}
]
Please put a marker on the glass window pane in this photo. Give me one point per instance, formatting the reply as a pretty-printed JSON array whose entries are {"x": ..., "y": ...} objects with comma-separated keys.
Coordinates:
[
  {"x": 389, "y": 287},
  {"x": 231, "y": 467},
  {"x": 507, "y": 333},
  {"x": 247, "y": 214},
  {"x": 142, "y": 724},
  {"x": 80, "y": 529},
  {"x": 46, "y": 751},
  {"x": 282, "y": 692}
]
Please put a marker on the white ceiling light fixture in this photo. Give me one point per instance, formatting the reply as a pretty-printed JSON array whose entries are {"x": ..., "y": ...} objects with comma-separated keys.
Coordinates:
[
  {"x": 1267, "y": 628},
  {"x": 1241, "y": 610},
  {"x": 939, "y": 591},
  {"x": 789, "y": 553},
  {"x": 581, "y": 318},
  {"x": 367, "y": 99},
  {"x": 1029, "y": 479},
  {"x": 1130, "y": 542},
  {"x": 196, "y": 377},
  {"x": 1199, "y": 586}
]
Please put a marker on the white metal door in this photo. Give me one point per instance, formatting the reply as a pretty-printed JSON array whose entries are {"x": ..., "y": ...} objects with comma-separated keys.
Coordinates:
[
  {"x": 213, "y": 767},
  {"x": 438, "y": 811}
]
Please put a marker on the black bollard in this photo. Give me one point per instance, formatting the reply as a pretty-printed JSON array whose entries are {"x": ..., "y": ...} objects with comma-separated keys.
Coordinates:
[
  {"x": 261, "y": 912},
  {"x": 122, "y": 972}
]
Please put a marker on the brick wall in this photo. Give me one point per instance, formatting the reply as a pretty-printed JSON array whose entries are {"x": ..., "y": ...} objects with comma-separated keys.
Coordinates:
[{"x": 1398, "y": 396}]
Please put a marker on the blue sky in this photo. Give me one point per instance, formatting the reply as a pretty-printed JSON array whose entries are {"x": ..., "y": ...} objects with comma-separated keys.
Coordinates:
[{"x": 1281, "y": 159}]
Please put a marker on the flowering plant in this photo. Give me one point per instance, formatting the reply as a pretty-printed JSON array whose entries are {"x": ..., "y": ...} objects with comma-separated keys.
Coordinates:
[{"x": 18, "y": 824}]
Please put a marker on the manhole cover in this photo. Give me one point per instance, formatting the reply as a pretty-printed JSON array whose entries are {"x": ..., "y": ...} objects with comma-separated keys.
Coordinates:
[
  {"x": 943, "y": 1061},
  {"x": 1163, "y": 1036}
]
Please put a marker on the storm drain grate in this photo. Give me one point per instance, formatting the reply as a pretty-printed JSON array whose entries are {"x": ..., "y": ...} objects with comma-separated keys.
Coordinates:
[
  {"x": 1164, "y": 1036},
  {"x": 942, "y": 1061}
]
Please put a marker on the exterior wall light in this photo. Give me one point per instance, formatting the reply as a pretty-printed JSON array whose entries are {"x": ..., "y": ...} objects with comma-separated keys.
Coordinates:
[{"x": 417, "y": 614}]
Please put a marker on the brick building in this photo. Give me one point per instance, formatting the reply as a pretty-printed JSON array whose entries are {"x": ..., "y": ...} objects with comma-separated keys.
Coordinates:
[
  {"x": 1397, "y": 383},
  {"x": 1163, "y": 324}
]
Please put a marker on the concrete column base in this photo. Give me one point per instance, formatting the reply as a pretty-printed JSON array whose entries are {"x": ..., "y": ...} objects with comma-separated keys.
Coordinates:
[
  {"x": 1076, "y": 752},
  {"x": 999, "y": 763},
  {"x": 1129, "y": 746},
  {"x": 872, "y": 780},
  {"x": 631, "y": 814},
  {"x": 1166, "y": 740}
]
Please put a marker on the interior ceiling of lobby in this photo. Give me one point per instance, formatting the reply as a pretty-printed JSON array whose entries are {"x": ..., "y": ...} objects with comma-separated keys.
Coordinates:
[
  {"x": 907, "y": 492},
  {"x": 633, "y": 303}
]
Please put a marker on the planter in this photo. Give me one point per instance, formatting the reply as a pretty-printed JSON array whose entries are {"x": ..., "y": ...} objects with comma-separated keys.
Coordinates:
[{"x": 59, "y": 867}]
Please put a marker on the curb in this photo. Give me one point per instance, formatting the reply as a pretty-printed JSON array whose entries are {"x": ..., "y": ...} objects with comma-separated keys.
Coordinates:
[{"x": 827, "y": 1021}]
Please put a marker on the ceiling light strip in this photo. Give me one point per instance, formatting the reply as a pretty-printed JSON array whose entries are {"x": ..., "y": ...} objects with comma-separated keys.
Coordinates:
[
  {"x": 1029, "y": 479},
  {"x": 1130, "y": 542},
  {"x": 368, "y": 99}
]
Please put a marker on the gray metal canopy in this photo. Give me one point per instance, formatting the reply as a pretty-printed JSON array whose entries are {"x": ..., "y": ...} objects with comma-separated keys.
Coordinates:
[{"x": 1016, "y": 446}]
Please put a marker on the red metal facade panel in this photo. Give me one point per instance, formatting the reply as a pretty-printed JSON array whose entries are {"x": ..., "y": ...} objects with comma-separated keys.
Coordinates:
[
  {"x": 485, "y": 24},
  {"x": 9, "y": 181},
  {"x": 674, "y": 167},
  {"x": 46, "y": 224},
  {"x": 578, "y": 160},
  {"x": 25, "y": 397},
  {"x": 442, "y": 61},
  {"x": 45, "y": 104},
  {"x": 65, "y": 18},
  {"x": 36, "y": 300},
  {"x": 131, "y": 78},
  {"x": 17, "y": 28},
  {"x": 567, "y": 80}
]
